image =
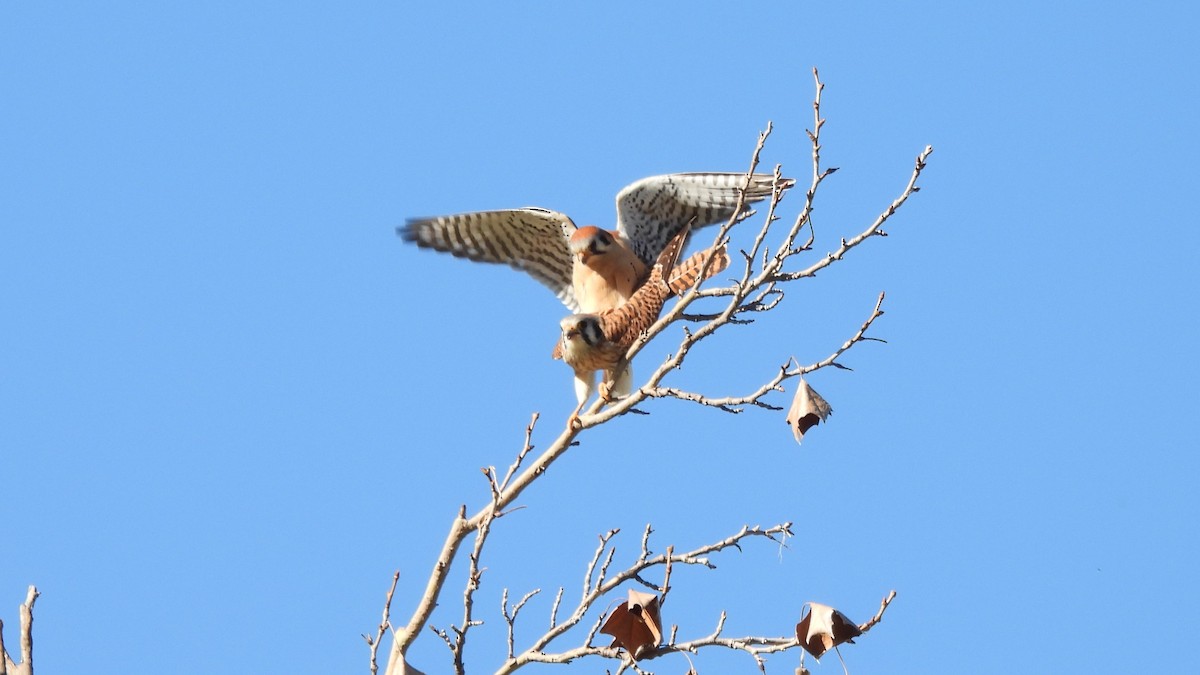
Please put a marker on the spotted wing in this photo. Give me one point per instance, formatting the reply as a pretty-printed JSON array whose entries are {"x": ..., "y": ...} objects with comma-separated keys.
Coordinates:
[
  {"x": 530, "y": 239},
  {"x": 652, "y": 210}
]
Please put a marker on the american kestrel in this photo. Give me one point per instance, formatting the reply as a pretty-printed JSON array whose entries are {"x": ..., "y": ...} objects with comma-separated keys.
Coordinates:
[
  {"x": 590, "y": 269},
  {"x": 592, "y": 342},
  {"x": 682, "y": 277}
]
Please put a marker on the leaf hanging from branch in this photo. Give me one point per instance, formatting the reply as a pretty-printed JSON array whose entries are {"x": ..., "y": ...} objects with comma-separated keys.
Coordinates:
[
  {"x": 824, "y": 628},
  {"x": 635, "y": 624},
  {"x": 808, "y": 409}
]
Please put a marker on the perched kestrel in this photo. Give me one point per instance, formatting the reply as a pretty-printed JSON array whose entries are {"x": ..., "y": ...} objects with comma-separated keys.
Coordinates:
[
  {"x": 589, "y": 269},
  {"x": 592, "y": 342}
]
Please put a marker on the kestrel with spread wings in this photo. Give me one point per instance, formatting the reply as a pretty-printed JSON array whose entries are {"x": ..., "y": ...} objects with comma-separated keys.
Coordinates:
[{"x": 590, "y": 269}]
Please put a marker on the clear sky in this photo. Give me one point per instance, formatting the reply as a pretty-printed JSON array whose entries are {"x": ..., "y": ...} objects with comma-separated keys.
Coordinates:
[{"x": 232, "y": 401}]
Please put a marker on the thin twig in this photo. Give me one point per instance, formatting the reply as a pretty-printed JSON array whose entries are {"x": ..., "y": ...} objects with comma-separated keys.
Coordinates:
[
  {"x": 525, "y": 450},
  {"x": 870, "y": 623},
  {"x": 475, "y": 574},
  {"x": 384, "y": 625},
  {"x": 511, "y": 619},
  {"x": 735, "y": 404}
]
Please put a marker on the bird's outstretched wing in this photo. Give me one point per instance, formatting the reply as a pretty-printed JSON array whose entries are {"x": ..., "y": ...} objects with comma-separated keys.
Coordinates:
[
  {"x": 530, "y": 239},
  {"x": 651, "y": 211}
]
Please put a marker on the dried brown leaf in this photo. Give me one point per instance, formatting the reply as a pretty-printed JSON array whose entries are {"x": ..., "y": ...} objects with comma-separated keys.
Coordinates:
[
  {"x": 635, "y": 624},
  {"x": 824, "y": 628},
  {"x": 808, "y": 409}
]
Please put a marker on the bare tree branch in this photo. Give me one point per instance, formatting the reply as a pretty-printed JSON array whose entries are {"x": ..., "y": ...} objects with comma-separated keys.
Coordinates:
[
  {"x": 536, "y": 653},
  {"x": 384, "y": 625},
  {"x": 524, "y": 451},
  {"x": 475, "y": 572},
  {"x": 511, "y": 619},
  {"x": 756, "y": 647},
  {"x": 870, "y": 623},
  {"x": 735, "y": 404},
  {"x": 759, "y": 288},
  {"x": 8, "y": 666}
]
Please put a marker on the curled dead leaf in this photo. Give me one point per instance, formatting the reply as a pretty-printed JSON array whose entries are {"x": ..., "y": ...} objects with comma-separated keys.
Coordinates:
[
  {"x": 824, "y": 628},
  {"x": 808, "y": 409},
  {"x": 635, "y": 624}
]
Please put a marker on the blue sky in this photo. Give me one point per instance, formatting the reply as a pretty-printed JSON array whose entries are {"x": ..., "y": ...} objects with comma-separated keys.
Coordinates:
[{"x": 233, "y": 402}]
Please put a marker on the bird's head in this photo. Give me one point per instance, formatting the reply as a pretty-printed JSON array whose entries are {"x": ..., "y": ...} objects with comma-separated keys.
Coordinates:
[
  {"x": 590, "y": 240},
  {"x": 581, "y": 330}
]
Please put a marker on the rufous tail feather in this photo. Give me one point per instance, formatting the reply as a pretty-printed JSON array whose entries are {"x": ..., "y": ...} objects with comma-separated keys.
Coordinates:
[{"x": 686, "y": 273}]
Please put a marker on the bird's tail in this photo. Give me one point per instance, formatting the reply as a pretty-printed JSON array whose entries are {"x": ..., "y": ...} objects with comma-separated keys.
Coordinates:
[
  {"x": 686, "y": 273},
  {"x": 665, "y": 265}
]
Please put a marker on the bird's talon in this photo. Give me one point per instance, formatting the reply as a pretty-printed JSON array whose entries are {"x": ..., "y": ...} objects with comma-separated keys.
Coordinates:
[{"x": 574, "y": 422}]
